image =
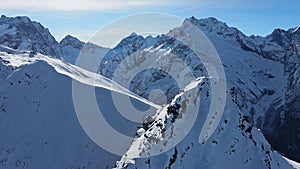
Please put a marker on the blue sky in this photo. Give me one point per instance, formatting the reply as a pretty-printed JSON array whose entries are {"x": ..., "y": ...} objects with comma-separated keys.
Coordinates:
[{"x": 82, "y": 18}]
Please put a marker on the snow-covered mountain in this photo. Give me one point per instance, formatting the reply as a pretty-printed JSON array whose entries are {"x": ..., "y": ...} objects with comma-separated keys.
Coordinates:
[
  {"x": 255, "y": 71},
  {"x": 22, "y": 33},
  {"x": 275, "y": 105},
  {"x": 71, "y": 47},
  {"x": 40, "y": 127},
  {"x": 262, "y": 75}
]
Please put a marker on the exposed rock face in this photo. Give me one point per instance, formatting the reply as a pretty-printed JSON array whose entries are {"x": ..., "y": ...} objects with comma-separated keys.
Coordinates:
[{"x": 22, "y": 33}]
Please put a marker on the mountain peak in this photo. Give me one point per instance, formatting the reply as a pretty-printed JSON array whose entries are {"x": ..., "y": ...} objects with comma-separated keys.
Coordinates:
[
  {"x": 285, "y": 37},
  {"x": 133, "y": 34},
  {"x": 133, "y": 37},
  {"x": 297, "y": 28},
  {"x": 72, "y": 41},
  {"x": 213, "y": 25},
  {"x": 21, "y": 18},
  {"x": 210, "y": 21},
  {"x": 22, "y": 33}
]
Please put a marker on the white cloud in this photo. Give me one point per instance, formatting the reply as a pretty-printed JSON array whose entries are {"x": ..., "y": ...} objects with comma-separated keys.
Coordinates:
[
  {"x": 87, "y": 5},
  {"x": 76, "y": 5}
]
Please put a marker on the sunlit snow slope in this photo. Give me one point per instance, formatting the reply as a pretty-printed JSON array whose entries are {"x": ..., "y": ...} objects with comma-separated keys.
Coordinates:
[{"x": 37, "y": 118}]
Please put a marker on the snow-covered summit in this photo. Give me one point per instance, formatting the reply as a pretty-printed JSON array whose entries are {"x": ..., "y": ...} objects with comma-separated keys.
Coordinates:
[
  {"x": 133, "y": 37},
  {"x": 72, "y": 41},
  {"x": 213, "y": 25},
  {"x": 285, "y": 38},
  {"x": 71, "y": 47},
  {"x": 22, "y": 33}
]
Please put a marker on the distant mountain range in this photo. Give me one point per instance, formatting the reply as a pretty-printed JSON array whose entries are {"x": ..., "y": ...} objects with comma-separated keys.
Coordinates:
[{"x": 261, "y": 121}]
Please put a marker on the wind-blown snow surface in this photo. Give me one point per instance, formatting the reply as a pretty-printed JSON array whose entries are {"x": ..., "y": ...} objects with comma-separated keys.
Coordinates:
[
  {"x": 38, "y": 123},
  {"x": 37, "y": 119},
  {"x": 293, "y": 163}
]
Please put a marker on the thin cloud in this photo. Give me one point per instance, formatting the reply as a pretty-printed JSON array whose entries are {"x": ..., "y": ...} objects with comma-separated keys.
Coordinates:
[
  {"x": 88, "y": 5},
  {"x": 76, "y": 5},
  {"x": 145, "y": 24}
]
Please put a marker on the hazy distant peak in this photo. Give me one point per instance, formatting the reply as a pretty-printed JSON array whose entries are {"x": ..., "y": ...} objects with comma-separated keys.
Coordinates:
[{"x": 72, "y": 41}]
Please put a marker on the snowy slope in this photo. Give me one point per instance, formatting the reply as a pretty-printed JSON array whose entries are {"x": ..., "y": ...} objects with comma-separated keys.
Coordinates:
[
  {"x": 267, "y": 89},
  {"x": 39, "y": 126},
  {"x": 37, "y": 117},
  {"x": 293, "y": 163}
]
